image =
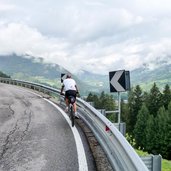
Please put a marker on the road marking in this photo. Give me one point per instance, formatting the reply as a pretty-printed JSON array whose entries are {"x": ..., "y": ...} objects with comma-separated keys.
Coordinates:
[{"x": 82, "y": 161}]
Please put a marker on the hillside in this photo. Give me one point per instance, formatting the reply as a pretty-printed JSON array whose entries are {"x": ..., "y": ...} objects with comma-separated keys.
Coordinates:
[
  {"x": 99, "y": 82},
  {"x": 144, "y": 76},
  {"x": 32, "y": 69},
  {"x": 3, "y": 75},
  {"x": 17, "y": 66},
  {"x": 35, "y": 70}
]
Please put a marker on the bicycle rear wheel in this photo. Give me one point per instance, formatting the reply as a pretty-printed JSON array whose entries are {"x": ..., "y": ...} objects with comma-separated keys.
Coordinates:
[{"x": 72, "y": 116}]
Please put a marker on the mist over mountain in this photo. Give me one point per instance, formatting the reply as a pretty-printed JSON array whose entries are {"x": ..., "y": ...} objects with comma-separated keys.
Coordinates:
[
  {"x": 157, "y": 71},
  {"x": 15, "y": 66},
  {"x": 35, "y": 69},
  {"x": 147, "y": 75}
]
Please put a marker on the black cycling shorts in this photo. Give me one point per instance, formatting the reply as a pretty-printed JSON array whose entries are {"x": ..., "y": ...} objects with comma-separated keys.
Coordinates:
[{"x": 70, "y": 93}]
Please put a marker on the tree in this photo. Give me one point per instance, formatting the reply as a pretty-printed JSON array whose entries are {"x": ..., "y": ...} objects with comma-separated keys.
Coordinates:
[
  {"x": 102, "y": 99},
  {"x": 154, "y": 100},
  {"x": 106, "y": 101},
  {"x": 168, "y": 136},
  {"x": 130, "y": 112},
  {"x": 96, "y": 101},
  {"x": 90, "y": 97},
  {"x": 135, "y": 100},
  {"x": 140, "y": 127},
  {"x": 150, "y": 133},
  {"x": 161, "y": 131},
  {"x": 4, "y": 75},
  {"x": 93, "y": 98},
  {"x": 166, "y": 97}
]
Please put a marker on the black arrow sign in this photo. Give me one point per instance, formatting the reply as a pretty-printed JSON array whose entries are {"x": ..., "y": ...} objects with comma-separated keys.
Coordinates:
[
  {"x": 119, "y": 81},
  {"x": 63, "y": 76}
]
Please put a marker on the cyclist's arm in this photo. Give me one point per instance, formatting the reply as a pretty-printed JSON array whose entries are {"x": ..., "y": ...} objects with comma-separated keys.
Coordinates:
[
  {"x": 76, "y": 88},
  {"x": 78, "y": 94}
]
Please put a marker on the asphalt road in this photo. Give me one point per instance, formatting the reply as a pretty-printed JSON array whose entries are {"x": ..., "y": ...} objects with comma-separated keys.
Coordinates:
[{"x": 35, "y": 136}]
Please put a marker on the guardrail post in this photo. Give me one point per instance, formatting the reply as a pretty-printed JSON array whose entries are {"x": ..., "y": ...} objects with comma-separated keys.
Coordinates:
[
  {"x": 157, "y": 163},
  {"x": 121, "y": 127},
  {"x": 102, "y": 111},
  {"x": 91, "y": 103},
  {"x": 153, "y": 162}
]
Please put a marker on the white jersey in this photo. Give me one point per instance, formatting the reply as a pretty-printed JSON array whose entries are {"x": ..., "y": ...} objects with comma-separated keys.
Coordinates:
[{"x": 69, "y": 84}]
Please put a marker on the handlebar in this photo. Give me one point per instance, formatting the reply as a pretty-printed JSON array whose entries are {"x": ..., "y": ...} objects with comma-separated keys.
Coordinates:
[{"x": 62, "y": 94}]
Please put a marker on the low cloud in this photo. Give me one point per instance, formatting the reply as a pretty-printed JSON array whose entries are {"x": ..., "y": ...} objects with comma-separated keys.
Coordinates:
[{"x": 97, "y": 36}]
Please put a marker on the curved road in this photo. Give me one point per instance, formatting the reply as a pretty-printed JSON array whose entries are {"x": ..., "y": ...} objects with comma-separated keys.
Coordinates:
[{"x": 35, "y": 136}]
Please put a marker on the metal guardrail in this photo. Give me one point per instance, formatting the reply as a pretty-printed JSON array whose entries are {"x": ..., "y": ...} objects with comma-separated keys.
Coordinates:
[
  {"x": 120, "y": 153},
  {"x": 120, "y": 126},
  {"x": 153, "y": 162}
]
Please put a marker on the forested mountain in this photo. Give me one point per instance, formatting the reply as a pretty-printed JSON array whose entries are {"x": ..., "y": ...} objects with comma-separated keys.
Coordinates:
[
  {"x": 35, "y": 69},
  {"x": 16, "y": 66},
  {"x": 4, "y": 75},
  {"x": 144, "y": 76}
]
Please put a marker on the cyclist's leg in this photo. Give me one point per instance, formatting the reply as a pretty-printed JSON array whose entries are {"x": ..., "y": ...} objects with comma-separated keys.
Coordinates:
[
  {"x": 75, "y": 111},
  {"x": 66, "y": 102},
  {"x": 74, "y": 93},
  {"x": 75, "y": 107}
]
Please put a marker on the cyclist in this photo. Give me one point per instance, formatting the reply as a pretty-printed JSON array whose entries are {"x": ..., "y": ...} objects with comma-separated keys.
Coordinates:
[{"x": 70, "y": 88}]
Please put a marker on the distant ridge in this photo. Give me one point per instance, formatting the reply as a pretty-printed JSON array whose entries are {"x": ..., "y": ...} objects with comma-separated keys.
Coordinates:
[
  {"x": 144, "y": 76},
  {"x": 29, "y": 66},
  {"x": 35, "y": 69}
]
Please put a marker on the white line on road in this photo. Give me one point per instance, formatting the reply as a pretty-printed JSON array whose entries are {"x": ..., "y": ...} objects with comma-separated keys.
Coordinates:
[{"x": 82, "y": 161}]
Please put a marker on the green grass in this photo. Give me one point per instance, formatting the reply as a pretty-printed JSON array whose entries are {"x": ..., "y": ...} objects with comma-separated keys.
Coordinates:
[
  {"x": 141, "y": 153},
  {"x": 166, "y": 164}
]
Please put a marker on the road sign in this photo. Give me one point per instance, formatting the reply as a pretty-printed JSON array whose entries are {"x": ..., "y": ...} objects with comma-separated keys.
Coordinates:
[
  {"x": 63, "y": 76},
  {"x": 119, "y": 81}
]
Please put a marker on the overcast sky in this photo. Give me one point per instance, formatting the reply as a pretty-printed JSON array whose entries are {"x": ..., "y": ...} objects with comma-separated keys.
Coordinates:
[{"x": 94, "y": 35}]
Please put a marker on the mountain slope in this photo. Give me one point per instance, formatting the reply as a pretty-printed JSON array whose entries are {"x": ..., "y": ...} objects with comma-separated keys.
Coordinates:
[
  {"x": 30, "y": 66},
  {"x": 144, "y": 76},
  {"x": 35, "y": 70}
]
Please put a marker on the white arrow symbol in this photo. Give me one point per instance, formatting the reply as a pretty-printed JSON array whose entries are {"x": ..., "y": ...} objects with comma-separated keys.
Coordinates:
[
  {"x": 114, "y": 81},
  {"x": 63, "y": 77}
]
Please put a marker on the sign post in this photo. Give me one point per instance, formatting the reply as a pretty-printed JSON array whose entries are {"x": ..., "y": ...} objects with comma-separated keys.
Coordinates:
[
  {"x": 119, "y": 82},
  {"x": 119, "y": 107}
]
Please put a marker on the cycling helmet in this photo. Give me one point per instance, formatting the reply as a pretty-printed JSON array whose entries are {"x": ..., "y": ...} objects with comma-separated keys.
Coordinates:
[{"x": 68, "y": 76}]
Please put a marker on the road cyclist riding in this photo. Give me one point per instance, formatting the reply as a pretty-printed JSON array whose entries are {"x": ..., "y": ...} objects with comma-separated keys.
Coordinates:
[{"x": 71, "y": 91}]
